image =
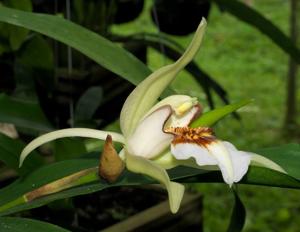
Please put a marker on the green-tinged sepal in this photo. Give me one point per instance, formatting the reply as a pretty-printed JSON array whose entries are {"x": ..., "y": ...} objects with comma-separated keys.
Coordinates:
[
  {"x": 71, "y": 132},
  {"x": 147, "y": 167},
  {"x": 143, "y": 97},
  {"x": 261, "y": 161}
]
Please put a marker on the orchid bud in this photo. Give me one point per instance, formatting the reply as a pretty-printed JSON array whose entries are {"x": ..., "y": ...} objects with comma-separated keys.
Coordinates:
[{"x": 111, "y": 165}]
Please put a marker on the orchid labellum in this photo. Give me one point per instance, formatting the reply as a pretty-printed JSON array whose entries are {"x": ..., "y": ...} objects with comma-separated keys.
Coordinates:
[{"x": 157, "y": 136}]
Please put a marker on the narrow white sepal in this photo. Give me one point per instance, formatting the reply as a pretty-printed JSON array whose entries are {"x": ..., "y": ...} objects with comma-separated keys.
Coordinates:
[
  {"x": 240, "y": 161},
  {"x": 261, "y": 161},
  {"x": 143, "y": 97},
  {"x": 147, "y": 167},
  {"x": 71, "y": 132}
]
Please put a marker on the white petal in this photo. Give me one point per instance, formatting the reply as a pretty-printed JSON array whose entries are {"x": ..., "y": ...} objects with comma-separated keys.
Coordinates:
[
  {"x": 240, "y": 160},
  {"x": 149, "y": 140},
  {"x": 184, "y": 151},
  {"x": 232, "y": 162},
  {"x": 71, "y": 132},
  {"x": 212, "y": 154},
  {"x": 257, "y": 160},
  {"x": 219, "y": 151}
]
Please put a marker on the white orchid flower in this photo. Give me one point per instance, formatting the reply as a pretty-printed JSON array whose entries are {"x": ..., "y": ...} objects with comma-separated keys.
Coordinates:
[{"x": 156, "y": 137}]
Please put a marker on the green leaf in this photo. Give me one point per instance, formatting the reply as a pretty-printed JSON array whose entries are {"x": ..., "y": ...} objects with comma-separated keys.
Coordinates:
[
  {"x": 88, "y": 103},
  {"x": 99, "y": 49},
  {"x": 19, "y": 4},
  {"x": 37, "y": 54},
  {"x": 268, "y": 177},
  {"x": 68, "y": 148},
  {"x": 10, "y": 150},
  {"x": 16, "y": 37},
  {"x": 14, "y": 224},
  {"x": 265, "y": 26},
  {"x": 25, "y": 115},
  {"x": 4, "y": 43},
  {"x": 41, "y": 177},
  {"x": 11, "y": 202},
  {"x": 79, "y": 10},
  {"x": 211, "y": 117},
  {"x": 255, "y": 176},
  {"x": 238, "y": 215},
  {"x": 287, "y": 156},
  {"x": 16, "y": 34},
  {"x": 34, "y": 63},
  {"x": 58, "y": 170}
]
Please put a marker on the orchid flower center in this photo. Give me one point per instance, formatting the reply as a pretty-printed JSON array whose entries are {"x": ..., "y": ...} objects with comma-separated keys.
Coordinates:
[{"x": 202, "y": 136}]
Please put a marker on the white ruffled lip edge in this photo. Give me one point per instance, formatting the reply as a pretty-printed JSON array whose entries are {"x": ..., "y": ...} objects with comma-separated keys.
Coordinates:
[{"x": 232, "y": 163}]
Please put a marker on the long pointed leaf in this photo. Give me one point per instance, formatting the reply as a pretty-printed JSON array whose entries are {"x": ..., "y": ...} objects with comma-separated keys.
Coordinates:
[
  {"x": 9, "y": 154},
  {"x": 238, "y": 215},
  {"x": 94, "y": 46},
  {"x": 287, "y": 156},
  {"x": 14, "y": 224},
  {"x": 23, "y": 114},
  {"x": 211, "y": 117},
  {"x": 10, "y": 196}
]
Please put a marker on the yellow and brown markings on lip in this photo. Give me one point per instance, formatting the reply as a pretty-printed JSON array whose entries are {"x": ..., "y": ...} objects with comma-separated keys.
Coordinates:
[{"x": 202, "y": 136}]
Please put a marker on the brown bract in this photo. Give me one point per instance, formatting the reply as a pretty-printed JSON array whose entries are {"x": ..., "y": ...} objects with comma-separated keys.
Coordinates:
[
  {"x": 111, "y": 165},
  {"x": 58, "y": 185},
  {"x": 202, "y": 136}
]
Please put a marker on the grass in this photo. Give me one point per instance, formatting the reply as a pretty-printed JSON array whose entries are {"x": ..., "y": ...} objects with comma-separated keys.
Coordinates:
[{"x": 248, "y": 65}]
